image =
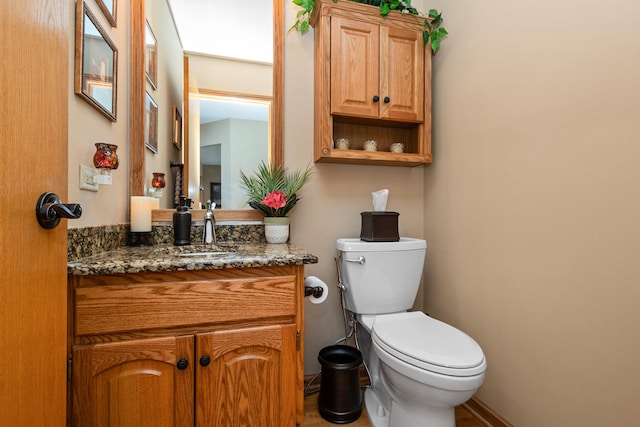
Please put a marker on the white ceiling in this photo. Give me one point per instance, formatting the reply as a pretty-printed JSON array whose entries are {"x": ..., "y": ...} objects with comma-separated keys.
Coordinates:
[
  {"x": 231, "y": 30},
  {"x": 212, "y": 110},
  {"x": 224, "y": 28}
]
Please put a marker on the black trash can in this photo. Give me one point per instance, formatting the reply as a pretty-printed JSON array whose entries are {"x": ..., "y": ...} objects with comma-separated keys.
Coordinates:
[{"x": 340, "y": 399}]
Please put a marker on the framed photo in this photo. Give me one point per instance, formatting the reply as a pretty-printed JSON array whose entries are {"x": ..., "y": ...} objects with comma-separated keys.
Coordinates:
[
  {"x": 96, "y": 63},
  {"x": 108, "y": 7},
  {"x": 151, "y": 123},
  {"x": 151, "y": 56},
  {"x": 177, "y": 128}
]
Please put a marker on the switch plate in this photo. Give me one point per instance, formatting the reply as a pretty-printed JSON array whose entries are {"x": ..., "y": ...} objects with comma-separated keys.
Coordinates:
[{"x": 88, "y": 178}]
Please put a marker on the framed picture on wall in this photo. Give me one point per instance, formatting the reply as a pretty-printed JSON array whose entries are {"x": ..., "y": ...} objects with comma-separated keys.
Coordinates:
[
  {"x": 151, "y": 123},
  {"x": 96, "y": 63},
  {"x": 177, "y": 128},
  {"x": 108, "y": 7},
  {"x": 151, "y": 56}
]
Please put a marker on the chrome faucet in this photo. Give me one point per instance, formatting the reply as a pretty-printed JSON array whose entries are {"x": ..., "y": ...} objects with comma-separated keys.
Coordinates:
[{"x": 209, "y": 231}]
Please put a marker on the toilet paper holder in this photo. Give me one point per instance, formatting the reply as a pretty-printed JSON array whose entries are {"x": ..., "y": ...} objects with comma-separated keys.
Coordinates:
[{"x": 314, "y": 291}]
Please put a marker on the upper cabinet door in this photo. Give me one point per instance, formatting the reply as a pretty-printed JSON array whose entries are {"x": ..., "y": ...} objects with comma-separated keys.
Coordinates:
[
  {"x": 376, "y": 71},
  {"x": 354, "y": 68},
  {"x": 401, "y": 74}
]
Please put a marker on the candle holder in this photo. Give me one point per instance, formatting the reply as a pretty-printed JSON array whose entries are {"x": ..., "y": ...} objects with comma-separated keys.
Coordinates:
[
  {"x": 158, "y": 182},
  {"x": 141, "y": 225},
  {"x": 105, "y": 160},
  {"x": 141, "y": 238}
]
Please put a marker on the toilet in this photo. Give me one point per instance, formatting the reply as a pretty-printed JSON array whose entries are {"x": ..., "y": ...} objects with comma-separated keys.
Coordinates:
[{"x": 420, "y": 368}]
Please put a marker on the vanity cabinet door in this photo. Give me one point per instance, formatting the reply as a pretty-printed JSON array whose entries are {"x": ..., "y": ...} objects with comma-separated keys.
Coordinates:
[
  {"x": 246, "y": 377},
  {"x": 146, "y": 382}
]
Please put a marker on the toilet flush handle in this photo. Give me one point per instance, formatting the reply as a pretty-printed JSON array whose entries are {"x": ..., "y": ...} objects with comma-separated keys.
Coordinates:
[{"x": 361, "y": 260}]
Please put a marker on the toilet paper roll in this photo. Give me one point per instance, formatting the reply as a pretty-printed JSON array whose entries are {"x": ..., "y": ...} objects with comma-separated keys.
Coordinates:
[{"x": 314, "y": 282}]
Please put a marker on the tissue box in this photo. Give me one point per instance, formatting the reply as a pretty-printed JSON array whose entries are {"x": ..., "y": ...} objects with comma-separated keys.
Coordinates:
[{"x": 379, "y": 227}]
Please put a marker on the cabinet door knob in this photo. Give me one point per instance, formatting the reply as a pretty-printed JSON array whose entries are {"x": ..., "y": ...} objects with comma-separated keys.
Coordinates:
[
  {"x": 376, "y": 98},
  {"x": 205, "y": 360},
  {"x": 182, "y": 364},
  {"x": 386, "y": 100}
]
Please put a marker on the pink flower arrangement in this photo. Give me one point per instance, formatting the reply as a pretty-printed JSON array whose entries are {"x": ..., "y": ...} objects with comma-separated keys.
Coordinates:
[
  {"x": 273, "y": 190},
  {"x": 275, "y": 200}
]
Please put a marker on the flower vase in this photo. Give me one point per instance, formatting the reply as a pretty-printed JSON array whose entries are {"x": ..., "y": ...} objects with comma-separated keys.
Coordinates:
[{"x": 276, "y": 229}]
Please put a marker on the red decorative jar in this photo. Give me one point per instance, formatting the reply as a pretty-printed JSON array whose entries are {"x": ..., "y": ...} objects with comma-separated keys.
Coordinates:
[
  {"x": 158, "y": 180},
  {"x": 105, "y": 156}
]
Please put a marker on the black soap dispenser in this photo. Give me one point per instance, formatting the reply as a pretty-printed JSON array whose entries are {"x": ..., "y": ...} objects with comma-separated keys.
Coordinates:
[{"x": 182, "y": 224}]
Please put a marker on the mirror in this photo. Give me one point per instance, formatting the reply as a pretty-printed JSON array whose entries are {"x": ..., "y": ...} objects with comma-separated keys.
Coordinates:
[{"x": 138, "y": 173}]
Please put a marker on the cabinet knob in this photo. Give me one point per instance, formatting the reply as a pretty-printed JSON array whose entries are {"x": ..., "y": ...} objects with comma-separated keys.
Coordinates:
[
  {"x": 182, "y": 364},
  {"x": 386, "y": 100},
  {"x": 376, "y": 98},
  {"x": 205, "y": 360}
]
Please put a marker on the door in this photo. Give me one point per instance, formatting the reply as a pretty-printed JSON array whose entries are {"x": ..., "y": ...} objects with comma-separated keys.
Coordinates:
[
  {"x": 34, "y": 41},
  {"x": 401, "y": 74},
  {"x": 247, "y": 377},
  {"x": 354, "y": 68},
  {"x": 146, "y": 382}
]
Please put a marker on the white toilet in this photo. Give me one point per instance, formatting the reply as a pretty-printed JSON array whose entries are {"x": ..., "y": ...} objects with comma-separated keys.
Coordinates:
[{"x": 420, "y": 368}]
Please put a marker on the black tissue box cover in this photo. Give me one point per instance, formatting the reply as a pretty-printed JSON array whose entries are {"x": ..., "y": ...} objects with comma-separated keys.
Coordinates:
[{"x": 379, "y": 227}]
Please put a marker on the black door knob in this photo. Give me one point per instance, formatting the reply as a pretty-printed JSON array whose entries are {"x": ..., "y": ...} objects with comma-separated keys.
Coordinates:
[
  {"x": 386, "y": 100},
  {"x": 376, "y": 98},
  {"x": 182, "y": 364},
  {"x": 50, "y": 209},
  {"x": 205, "y": 360}
]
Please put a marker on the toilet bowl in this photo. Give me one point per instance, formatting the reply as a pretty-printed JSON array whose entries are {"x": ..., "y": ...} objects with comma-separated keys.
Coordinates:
[{"x": 420, "y": 367}]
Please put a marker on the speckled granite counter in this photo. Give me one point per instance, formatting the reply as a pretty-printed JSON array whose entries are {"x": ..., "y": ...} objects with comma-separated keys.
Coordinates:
[{"x": 194, "y": 257}]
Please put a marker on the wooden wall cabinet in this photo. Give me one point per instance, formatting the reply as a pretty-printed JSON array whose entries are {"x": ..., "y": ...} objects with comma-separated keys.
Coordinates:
[
  {"x": 372, "y": 82},
  {"x": 204, "y": 348}
]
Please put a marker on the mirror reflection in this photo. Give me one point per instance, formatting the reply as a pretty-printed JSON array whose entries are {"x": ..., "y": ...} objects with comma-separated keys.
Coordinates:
[
  {"x": 234, "y": 136},
  {"x": 230, "y": 51},
  {"x": 96, "y": 61}
]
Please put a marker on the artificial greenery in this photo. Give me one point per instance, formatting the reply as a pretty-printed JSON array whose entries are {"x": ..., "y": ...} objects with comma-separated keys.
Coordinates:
[
  {"x": 432, "y": 29},
  {"x": 267, "y": 180}
]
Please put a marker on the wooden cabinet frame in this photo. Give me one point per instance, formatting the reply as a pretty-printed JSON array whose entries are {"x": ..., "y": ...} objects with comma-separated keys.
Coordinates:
[
  {"x": 358, "y": 119},
  {"x": 192, "y": 348}
]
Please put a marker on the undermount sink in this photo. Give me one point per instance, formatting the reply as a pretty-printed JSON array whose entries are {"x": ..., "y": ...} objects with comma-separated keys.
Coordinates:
[
  {"x": 197, "y": 251},
  {"x": 215, "y": 254}
]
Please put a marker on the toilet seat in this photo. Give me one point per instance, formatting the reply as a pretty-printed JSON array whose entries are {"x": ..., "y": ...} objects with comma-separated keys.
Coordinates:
[{"x": 429, "y": 344}]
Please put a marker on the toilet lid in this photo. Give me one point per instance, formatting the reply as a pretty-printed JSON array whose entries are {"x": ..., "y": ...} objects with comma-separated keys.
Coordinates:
[{"x": 428, "y": 343}]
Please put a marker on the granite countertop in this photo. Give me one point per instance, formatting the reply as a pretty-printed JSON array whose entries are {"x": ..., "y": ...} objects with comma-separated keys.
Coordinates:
[{"x": 193, "y": 257}]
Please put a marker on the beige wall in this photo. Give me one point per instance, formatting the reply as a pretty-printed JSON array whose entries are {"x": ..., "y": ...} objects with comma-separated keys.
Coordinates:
[
  {"x": 532, "y": 212},
  {"x": 331, "y": 203},
  {"x": 230, "y": 75},
  {"x": 87, "y": 126}
]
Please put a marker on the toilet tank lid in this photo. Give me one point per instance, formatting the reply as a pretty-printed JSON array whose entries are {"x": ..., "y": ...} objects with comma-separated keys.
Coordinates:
[{"x": 404, "y": 244}]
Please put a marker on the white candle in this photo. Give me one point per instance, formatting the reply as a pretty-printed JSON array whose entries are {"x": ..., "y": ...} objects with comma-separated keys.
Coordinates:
[{"x": 141, "y": 207}]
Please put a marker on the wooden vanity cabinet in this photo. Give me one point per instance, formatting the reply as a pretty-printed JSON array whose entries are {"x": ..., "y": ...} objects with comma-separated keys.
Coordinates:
[
  {"x": 372, "y": 82},
  {"x": 203, "y": 348}
]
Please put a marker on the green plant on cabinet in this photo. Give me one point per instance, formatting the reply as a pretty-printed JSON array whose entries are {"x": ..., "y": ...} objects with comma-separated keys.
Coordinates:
[{"x": 433, "y": 32}]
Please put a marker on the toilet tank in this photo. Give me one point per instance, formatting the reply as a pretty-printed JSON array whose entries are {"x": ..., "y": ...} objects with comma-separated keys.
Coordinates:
[{"x": 380, "y": 277}]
